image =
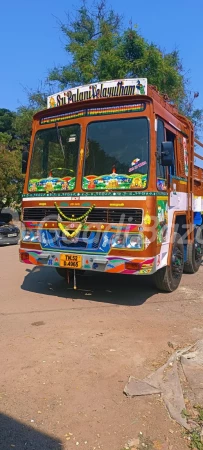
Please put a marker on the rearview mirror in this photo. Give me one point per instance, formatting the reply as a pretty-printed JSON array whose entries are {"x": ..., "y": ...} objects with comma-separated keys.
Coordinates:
[
  {"x": 167, "y": 154},
  {"x": 25, "y": 155}
]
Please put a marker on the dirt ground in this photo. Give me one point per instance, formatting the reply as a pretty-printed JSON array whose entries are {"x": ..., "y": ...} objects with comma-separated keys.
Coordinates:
[{"x": 65, "y": 357}]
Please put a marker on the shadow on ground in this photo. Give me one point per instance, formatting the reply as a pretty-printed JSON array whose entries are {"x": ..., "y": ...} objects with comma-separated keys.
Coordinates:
[
  {"x": 14, "y": 434},
  {"x": 98, "y": 287}
]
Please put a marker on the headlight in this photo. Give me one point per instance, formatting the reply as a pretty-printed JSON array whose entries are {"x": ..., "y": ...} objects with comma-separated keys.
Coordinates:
[
  {"x": 118, "y": 241},
  {"x": 26, "y": 235},
  {"x": 35, "y": 236},
  {"x": 30, "y": 236},
  {"x": 135, "y": 241}
]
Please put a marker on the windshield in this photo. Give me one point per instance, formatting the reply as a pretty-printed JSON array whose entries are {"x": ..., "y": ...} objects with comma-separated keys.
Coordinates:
[
  {"x": 54, "y": 159},
  {"x": 116, "y": 155}
]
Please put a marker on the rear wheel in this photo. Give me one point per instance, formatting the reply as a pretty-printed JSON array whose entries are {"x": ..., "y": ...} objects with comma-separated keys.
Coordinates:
[
  {"x": 168, "y": 278},
  {"x": 194, "y": 253}
]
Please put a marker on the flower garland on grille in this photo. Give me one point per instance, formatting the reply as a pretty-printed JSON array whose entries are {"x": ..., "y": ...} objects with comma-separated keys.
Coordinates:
[{"x": 82, "y": 219}]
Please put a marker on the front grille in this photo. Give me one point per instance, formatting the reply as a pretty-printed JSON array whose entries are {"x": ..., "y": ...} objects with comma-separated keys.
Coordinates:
[
  {"x": 58, "y": 240},
  {"x": 79, "y": 243},
  {"x": 5, "y": 231},
  {"x": 98, "y": 215},
  {"x": 125, "y": 216},
  {"x": 82, "y": 241}
]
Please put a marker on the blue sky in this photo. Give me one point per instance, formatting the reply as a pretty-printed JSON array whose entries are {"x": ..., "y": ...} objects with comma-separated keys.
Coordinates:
[{"x": 31, "y": 42}]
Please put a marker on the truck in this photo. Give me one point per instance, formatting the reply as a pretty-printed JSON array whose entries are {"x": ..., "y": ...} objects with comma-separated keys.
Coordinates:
[{"x": 111, "y": 185}]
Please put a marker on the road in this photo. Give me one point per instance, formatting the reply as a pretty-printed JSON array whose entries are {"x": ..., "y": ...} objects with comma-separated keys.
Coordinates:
[{"x": 66, "y": 356}]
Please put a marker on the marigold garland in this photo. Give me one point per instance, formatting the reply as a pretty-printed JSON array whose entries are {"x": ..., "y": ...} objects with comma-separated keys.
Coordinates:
[
  {"x": 82, "y": 219},
  {"x": 66, "y": 232},
  {"x": 71, "y": 219}
]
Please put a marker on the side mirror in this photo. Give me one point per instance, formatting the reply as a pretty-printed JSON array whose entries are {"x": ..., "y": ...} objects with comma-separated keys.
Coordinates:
[
  {"x": 25, "y": 155},
  {"x": 167, "y": 154}
]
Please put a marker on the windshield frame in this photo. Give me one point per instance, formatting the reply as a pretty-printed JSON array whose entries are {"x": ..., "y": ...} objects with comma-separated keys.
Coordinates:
[
  {"x": 56, "y": 126},
  {"x": 109, "y": 119}
]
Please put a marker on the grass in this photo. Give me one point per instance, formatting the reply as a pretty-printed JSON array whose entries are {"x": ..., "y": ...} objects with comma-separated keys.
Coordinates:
[{"x": 196, "y": 440}]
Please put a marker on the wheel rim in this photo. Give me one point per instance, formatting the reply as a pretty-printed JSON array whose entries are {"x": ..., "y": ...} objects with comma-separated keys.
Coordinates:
[{"x": 177, "y": 263}]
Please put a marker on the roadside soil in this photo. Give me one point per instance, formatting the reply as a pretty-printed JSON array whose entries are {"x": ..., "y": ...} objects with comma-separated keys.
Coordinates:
[{"x": 66, "y": 356}]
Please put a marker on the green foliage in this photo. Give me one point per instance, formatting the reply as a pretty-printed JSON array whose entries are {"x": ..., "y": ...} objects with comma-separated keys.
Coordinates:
[
  {"x": 98, "y": 48},
  {"x": 13, "y": 135},
  {"x": 199, "y": 409},
  {"x": 10, "y": 176},
  {"x": 195, "y": 436},
  {"x": 89, "y": 35},
  {"x": 6, "y": 121},
  {"x": 23, "y": 125},
  {"x": 5, "y": 138},
  {"x": 38, "y": 99},
  {"x": 101, "y": 50},
  {"x": 185, "y": 413},
  {"x": 195, "y": 115},
  {"x": 195, "y": 440}
]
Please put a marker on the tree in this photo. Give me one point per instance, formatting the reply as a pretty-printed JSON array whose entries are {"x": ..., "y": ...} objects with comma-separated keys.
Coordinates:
[
  {"x": 23, "y": 125},
  {"x": 10, "y": 176},
  {"x": 6, "y": 121},
  {"x": 6, "y": 126},
  {"x": 23, "y": 119},
  {"x": 99, "y": 48},
  {"x": 11, "y": 179}
]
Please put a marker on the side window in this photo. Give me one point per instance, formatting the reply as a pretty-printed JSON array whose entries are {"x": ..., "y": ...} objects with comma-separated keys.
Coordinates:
[
  {"x": 172, "y": 138},
  {"x": 160, "y": 170}
]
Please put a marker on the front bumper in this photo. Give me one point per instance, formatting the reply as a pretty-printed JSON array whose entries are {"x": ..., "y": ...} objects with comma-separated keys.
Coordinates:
[
  {"x": 109, "y": 264},
  {"x": 9, "y": 240}
]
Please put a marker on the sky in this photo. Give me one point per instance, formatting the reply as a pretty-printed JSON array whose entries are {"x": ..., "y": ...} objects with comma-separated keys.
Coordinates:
[{"x": 31, "y": 42}]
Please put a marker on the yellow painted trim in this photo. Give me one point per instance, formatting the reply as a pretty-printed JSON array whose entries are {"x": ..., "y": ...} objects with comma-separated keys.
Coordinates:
[{"x": 163, "y": 198}]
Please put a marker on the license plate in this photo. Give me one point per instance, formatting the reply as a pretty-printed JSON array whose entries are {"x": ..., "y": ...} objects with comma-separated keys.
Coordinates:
[
  {"x": 12, "y": 235},
  {"x": 71, "y": 261}
]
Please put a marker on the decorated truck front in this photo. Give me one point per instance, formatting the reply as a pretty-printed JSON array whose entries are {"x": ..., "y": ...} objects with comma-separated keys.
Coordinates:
[{"x": 96, "y": 190}]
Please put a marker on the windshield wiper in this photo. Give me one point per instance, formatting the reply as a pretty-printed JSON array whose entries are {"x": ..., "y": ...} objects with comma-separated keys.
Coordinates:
[{"x": 60, "y": 140}]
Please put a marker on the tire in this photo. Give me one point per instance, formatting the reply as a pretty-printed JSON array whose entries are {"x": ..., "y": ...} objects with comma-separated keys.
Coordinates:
[
  {"x": 194, "y": 253},
  {"x": 168, "y": 278}
]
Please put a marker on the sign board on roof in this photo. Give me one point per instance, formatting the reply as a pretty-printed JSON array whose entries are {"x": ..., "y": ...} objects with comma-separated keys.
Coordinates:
[{"x": 113, "y": 88}]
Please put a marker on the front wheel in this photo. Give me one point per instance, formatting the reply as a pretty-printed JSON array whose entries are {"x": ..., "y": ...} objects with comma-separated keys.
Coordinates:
[
  {"x": 168, "y": 278},
  {"x": 194, "y": 253}
]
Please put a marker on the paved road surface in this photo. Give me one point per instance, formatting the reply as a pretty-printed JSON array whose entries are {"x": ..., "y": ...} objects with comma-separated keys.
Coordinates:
[{"x": 66, "y": 355}]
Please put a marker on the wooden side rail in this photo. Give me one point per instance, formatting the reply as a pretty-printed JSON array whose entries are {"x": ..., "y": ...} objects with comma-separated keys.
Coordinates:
[
  {"x": 198, "y": 156},
  {"x": 198, "y": 142},
  {"x": 198, "y": 174}
]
